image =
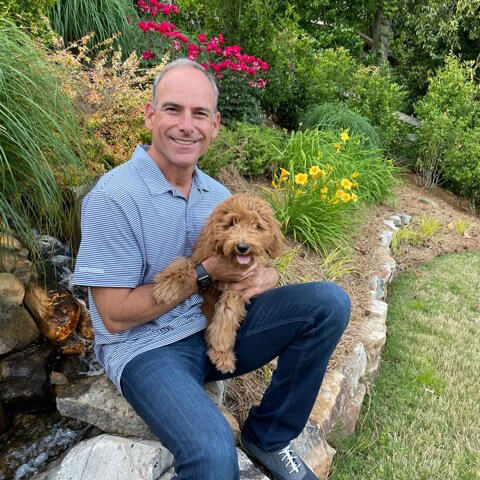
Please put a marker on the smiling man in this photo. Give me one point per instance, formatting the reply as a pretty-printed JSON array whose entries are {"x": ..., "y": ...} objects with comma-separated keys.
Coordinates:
[{"x": 137, "y": 219}]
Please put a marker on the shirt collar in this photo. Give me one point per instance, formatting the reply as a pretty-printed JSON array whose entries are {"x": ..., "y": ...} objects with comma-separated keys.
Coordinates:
[{"x": 154, "y": 177}]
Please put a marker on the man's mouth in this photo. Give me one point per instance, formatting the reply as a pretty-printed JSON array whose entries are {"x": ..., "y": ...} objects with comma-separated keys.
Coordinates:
[
  {"x": 243, "y": 259},
  {"x": 182, "y": 141}
]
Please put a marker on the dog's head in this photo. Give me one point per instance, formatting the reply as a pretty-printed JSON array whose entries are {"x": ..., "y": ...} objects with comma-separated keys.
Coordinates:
[{"x": 243, "y": 227}]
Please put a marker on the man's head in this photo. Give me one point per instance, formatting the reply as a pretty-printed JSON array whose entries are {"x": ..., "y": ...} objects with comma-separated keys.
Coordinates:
[{"x": 183, "y": 115}]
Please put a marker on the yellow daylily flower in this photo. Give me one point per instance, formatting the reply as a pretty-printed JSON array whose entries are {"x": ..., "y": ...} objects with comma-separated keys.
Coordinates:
[
  {"x": 344, "y": 136},
  {"x": 324, "y": 190},
  {"x": 284, "y": 174},
  {"x": 354, "y": 175},
  {"x": 314, "y": 171},
  {"x": 354, "y": 197},
  {"x": 339, "y": 193},
  {"x": 346, "y": 184},
  {"x": 337, "y": 147},
  {"x": 345, "y": 197},
  {"x": 323, "y": 197},
  {"x": 301, "y": 178}
]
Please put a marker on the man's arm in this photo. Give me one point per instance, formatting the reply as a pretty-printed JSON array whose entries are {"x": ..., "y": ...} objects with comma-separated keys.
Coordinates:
[{"x": 124, "y": 308}]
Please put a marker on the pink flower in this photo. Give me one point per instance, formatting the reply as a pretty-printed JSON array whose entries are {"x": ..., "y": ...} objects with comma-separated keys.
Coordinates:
[
  {"x": 147, "y": 54},
  {"x": 220, "y": 39},
  {"x": 176, "y": 45},
  {"x": 264, "y": 66},
  {"x": 261, "y": 83},
  {"x": 143, "y": 26},
  {"x": 201, "y": 37},
  {"x": 204, "y": 66}
]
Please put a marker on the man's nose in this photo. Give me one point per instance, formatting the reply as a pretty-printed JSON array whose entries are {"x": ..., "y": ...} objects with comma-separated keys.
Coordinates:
[{"x": 186, "y": 122}]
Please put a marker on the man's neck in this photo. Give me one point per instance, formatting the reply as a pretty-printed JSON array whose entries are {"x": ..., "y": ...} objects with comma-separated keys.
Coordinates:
[{"x": 180, "y": 178}]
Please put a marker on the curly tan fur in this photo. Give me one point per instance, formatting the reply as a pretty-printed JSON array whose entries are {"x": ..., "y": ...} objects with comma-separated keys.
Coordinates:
[{"x": 242, "y": 219}]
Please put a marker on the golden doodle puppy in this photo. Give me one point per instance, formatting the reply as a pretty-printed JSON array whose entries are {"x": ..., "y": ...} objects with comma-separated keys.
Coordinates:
[{"x": 242, "y": 229}]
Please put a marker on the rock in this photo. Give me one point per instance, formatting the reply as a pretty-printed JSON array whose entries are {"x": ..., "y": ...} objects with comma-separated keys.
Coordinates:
[
  {"x": 57, "y": 378},
  {"x": 387, "y": 268},
  {"x": 19, "y": 266},
  {"x": 17, "y": 328},
  {"x": 248, "y": 471},
  {"x": 397, "y": 221},
  {"x": 379, "y": 308},
  {"x": 406, "y": 219},
  {"x": 354, "y": 367},
  {"x": 85, "y": 326},
  {"x": 95, "y": 400},
  {"x": 108, "y": 456},
  {"x": 329, "y": 401},
  {"x": 55, "y": 310},
  {"x": 74, "y": 345},
  {"x": 408, "y": 119},
  {"x": 386, "y": 238},
  {"x": 216, "y": 391},
  {"x": 9, "y": 242},
  {"x": 49, "y": 247},
  {"x": 4, "y": 420},
  {"x": 390, "y": 224},
  {"x": 319, "y": 459},
  {"x": 58, "y": 269},
  {"x": 11, "y": 289},
  {"x": 232, "y": 422},
  {"x": 377, "y": 288},
  {"x": 351, "y": 414},
  {"x": 374, "y": 336},
  {"x": 23, "y": 377}
]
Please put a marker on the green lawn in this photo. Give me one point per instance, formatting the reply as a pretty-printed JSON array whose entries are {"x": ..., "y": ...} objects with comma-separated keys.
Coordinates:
[{"x": 422, "y": 418}]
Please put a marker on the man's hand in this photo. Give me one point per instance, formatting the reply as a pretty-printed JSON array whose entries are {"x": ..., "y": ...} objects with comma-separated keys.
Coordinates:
[
  {"x": 221, "y": 269},
  {"x": 261, "y": 280}
]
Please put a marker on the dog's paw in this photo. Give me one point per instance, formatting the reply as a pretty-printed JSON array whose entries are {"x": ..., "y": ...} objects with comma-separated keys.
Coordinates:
[
  {"x": 165, "y": 293},
  {"x": 224, "y": 361}
]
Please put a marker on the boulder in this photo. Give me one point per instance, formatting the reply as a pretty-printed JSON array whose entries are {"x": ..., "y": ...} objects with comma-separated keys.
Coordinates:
[
  {"x": 74, "y": 345},
  {"x": 9, "y": 242},
  {"x": 11, "y": 288},
  {"x": 17, "y": 328},
  {"x": 49, "y": 247},
  {"x": 24, "y": 379},
  {"x": 107, "y": 456},
  {"x": 12, "y": 262},
  {"x": 55, "y": 310},
  {"x": 4, "y": 420},
  {"x": 85, "y": 326}
]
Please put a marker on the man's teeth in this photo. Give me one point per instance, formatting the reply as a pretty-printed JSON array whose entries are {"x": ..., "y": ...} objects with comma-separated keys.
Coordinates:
[{"x": 184, "y": 142}]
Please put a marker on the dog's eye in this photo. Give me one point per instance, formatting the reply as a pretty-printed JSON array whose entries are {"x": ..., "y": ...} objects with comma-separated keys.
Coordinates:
[{"x": 259, "y": 227}]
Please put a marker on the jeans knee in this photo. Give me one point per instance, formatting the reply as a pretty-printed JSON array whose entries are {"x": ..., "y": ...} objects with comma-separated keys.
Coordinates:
[{"x": 335, "y": 306}]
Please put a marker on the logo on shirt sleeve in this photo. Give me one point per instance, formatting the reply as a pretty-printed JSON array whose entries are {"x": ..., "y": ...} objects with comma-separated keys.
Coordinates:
[{"x": 90, "y": 270}]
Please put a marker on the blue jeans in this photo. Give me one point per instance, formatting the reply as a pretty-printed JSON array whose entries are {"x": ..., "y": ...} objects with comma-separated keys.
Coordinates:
[{"x": 301, "y": 324}]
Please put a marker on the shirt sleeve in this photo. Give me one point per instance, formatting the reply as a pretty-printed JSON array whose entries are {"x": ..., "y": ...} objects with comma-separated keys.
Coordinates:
[{"x": 110, "y": 253}]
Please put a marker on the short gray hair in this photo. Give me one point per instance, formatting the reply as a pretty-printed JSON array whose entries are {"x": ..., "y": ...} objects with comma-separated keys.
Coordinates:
[{"x": 182, "y": 63}]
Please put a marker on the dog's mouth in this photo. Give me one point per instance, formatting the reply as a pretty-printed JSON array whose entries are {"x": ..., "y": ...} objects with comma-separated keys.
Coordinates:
[{"x": 243, "y": 259}]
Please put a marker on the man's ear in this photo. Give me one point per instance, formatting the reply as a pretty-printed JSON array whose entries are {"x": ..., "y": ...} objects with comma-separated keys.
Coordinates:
[
  {"x": 149, "y": 113},
  {"x": 216, "y": 125}
]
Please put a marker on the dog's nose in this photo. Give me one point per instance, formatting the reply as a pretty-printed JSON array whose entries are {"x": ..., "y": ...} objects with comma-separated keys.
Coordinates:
[{"x": 243, "y": 247}]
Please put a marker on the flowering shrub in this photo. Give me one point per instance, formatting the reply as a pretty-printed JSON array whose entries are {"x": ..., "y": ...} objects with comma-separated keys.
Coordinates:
[
  {"x": 234, "y": 70},
  {"x": 315, "y": 206},
  {"x": 346, "y": 153}
]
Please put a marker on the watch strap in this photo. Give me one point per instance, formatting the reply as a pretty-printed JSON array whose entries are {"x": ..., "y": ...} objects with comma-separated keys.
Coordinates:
[{"x": 204, "y": 280}]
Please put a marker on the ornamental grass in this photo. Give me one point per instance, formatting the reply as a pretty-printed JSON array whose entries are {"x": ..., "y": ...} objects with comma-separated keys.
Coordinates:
[{"x": 38, "y": 137}]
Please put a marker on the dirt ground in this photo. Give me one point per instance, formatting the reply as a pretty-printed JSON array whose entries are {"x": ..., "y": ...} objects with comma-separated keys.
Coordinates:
[{"x": 362, "y": 263}]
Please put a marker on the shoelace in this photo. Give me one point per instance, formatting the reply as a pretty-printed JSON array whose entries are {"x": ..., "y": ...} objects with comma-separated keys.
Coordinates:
[{"x": 290, "y": 458}]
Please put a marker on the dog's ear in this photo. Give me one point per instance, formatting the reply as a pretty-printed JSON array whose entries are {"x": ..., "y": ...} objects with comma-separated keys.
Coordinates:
[
  {"x": 207, "y": 241},
  {"x": 275, "y": 247}
]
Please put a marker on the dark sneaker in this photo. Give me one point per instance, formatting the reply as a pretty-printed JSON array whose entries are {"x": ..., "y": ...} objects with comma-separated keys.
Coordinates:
[{"x": 284, "y": 464}]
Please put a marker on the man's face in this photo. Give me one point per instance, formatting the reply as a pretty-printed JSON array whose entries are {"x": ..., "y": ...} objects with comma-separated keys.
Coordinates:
[{"x": 184, "y": 122}]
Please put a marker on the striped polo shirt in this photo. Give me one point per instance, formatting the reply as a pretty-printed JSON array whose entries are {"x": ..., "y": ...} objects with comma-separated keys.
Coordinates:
[{"x": 134, "y": 223}]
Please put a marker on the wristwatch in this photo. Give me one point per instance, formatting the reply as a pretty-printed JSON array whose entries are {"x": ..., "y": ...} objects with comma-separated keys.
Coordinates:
[{"x": 204, "y": 280}]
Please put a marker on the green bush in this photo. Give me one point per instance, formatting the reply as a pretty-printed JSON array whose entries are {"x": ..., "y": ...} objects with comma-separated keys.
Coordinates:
[
  {"x": 326, "y": 149},
  {"x": 447, "y": 114},
  {"x": 39, "y": 137},
  {"x": 335, "y": 116},
  {"x": 31, "y": 14},
  {"x": 251, "y": 149},
  {"x": 366, "y": 90}
]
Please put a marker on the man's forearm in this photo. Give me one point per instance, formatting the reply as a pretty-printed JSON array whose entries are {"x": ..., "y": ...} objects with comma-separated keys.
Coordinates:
[{"x": 122, "y": 309}]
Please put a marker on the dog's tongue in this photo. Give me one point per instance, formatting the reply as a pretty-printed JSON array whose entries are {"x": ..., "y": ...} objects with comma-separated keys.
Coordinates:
[{"x": 243, "y": 259}]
